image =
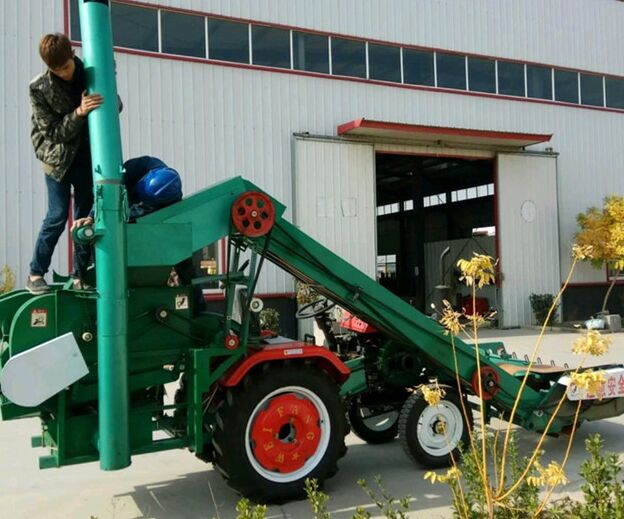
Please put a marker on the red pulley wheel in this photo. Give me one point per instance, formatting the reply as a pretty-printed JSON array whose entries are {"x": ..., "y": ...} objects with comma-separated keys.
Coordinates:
[
  {"x": 253, "y": 214},
  {"x": 489, "y": 382},
  {"x": 231, "y": 342}
]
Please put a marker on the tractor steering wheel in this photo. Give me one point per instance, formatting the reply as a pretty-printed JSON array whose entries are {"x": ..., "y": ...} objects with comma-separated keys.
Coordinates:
[{"x": 315, "y": 308}]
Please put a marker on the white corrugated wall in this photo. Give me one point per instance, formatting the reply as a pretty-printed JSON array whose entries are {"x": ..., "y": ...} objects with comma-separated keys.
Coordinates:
[
  {"x": 335, "y": 198},
  {"x": 22, "y": 185},
  {"x": 212, "y": 122},
  {"x": 526, "y": 195}
]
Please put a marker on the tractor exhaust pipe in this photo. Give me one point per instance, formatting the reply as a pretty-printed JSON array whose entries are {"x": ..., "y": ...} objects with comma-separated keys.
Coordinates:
[{"x": 113, "y": 439}]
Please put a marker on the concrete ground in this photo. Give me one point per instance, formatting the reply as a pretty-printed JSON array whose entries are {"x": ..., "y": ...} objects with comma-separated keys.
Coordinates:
[{"x": 176, "y": 485}]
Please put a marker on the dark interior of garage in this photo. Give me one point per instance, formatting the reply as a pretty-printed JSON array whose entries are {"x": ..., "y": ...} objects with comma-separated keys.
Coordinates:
[{"x": 428, "y": 200}]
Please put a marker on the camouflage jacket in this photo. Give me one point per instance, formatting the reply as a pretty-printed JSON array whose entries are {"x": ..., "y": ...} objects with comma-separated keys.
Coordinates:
[{"x": 56, "y": 129}]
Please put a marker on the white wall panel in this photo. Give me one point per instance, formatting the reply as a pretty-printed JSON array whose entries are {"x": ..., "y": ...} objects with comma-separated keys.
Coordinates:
[
  {"x": 23, "y": 199},
  {"x": 526, "y": 194},
  {"x": 335, "y": 198}
]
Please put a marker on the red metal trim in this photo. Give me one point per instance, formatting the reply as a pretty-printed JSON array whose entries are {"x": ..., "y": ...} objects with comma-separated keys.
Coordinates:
[
  {"x": 352, "y": 37},
  {"x": 275, "y": 295},
  {"x": 497, "y": 266},
  {"x": 290, "y": 350},
  {"x": 66, "y": 17},
  {"x": 587, "y": 284},
  {"x": 278, "y": 295},
  {"x": 351, "y": 125},
  {"x": 464, "y": 132}
]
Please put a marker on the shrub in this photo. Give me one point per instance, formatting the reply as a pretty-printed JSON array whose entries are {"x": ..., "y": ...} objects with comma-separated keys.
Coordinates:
[
  {"x": 269, "y": 320},
  {"x": 541, "y": 305}
]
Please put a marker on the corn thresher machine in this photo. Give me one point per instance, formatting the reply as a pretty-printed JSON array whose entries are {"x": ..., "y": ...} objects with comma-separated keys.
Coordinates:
[{"x": 268, "y": 412}]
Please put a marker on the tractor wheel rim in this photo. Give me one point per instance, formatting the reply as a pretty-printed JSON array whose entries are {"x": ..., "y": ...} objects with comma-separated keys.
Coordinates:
[
  {"x": 287, "y": 434},
  {"x": 440, "y": 428}
]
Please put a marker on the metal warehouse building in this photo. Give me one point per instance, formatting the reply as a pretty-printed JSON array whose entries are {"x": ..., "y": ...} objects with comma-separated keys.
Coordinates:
[{"x": 391, "y": 130}]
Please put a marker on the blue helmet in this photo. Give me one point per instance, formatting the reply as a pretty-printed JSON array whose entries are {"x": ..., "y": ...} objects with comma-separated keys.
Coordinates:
[{"x": 159, "y": 187}]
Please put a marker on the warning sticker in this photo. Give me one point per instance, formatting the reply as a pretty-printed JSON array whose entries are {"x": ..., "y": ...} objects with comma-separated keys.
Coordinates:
[
  {"x": 181, "y": 302},
  {"x": 39, "y": 318}
]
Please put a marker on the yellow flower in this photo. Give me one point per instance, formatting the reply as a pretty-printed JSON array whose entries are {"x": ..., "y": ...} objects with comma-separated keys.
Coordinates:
[
  {"x": 450, "y": 319},
  {"x": 592, "y": 381},
  {"x": 582, "y": 252},
  {"x": 592, "y": 343},
  {"x": 550, "y": 476},
  {"x": 432, "y": 394},
  {"x": 479, "y": 270},
  {"x": 8, "y": 282},
  {"x": 452, "y": 474},
  {"x": 478, "y": 320}
]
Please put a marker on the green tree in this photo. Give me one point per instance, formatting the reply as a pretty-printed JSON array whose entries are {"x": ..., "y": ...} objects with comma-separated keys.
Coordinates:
[{"x": 602, "y": 230}]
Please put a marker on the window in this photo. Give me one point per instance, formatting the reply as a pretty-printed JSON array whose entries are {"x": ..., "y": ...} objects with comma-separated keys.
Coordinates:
[
  {"x": 615, "y": 92},
  {"x": 418, "y": 67},
  {"x": 74, "y": 25},
  {"x": 539, "y": 82},
  {"x": 408, "y": 205},
  {"x": 386, "y": 266},
  {"x": 471, "y": 193},
  {"x": 591, "y": 90},
  {"x": 384, "y": 62},
  {"x": 134, "y": 27},
  {"x": 482, "y": 75},
  {"x": 566, "y": 86},
  {"x": 311, "y": 52},
  {"x": 348, "y": 57},
  {"x": 451, "y": 70},
  {"x": 183, "y": 34},
  {"x": 388, "y": 209},
  {"x": 270, "y": 47},
  {"x": 433, "y": 200},
  {"x": 511, "y": 79},
  {"x": 228, "y": 41},
  {"x": 484, "y": 231}
]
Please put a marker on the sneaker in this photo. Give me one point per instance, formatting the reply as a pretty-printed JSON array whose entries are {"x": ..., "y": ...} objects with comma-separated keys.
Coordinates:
[
  {"x": 37, "y": 286},
  {"x": 79, "y": 284}
]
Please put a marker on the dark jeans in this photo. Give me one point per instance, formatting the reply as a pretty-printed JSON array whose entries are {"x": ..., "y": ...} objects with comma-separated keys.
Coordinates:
[{"x": 59, "y": 194}]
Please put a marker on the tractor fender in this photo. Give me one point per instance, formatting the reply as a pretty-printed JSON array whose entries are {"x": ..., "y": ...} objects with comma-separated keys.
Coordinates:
[{"x": 291, "y": 351}]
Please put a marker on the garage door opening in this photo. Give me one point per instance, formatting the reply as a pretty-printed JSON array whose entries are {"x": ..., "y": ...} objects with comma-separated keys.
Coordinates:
[{"x": 425, "y": 205}]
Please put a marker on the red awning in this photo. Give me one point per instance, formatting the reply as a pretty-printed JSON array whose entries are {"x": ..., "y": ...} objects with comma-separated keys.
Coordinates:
[{"x": 417, "y": 132}]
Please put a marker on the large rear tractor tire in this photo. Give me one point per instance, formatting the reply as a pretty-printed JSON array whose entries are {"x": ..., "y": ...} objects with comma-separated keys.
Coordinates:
[
  {"x": 281, "y": 425},
  {"x": 431, "y": 434}
]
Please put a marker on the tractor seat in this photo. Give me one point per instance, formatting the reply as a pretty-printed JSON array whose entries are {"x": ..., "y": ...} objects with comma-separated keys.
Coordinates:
[{"x": 542, "y": 369}]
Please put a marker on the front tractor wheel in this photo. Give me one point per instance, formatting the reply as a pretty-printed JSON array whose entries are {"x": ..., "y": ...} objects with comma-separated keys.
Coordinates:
[
  {"x": 283, "y": 424},
  {"x": 374, "y": 417},
  {"x": 431, "y": 434}
]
